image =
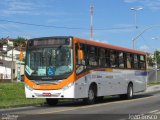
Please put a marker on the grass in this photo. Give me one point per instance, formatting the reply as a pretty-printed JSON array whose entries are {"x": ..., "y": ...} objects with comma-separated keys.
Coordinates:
[
  {"x": 13, "y": 94},
  {"x": 154, "y": 83}
]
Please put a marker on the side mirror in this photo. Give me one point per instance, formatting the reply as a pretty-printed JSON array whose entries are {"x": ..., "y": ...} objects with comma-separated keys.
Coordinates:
[{"x": 80, "y": 55}]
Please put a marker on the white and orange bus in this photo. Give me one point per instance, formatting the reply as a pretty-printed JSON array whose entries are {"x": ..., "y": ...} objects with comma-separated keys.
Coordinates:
[{"x": 70, "y": 67}]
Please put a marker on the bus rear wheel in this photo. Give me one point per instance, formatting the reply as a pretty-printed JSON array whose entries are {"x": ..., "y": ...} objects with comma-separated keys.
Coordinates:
[
  {"x": 51, "y": 101},
  {"x": 129, "y": 94},
  {"x": 130, "y": 91}
]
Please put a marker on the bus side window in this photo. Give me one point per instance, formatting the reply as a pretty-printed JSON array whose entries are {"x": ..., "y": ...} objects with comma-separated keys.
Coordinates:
[
  {"x": 121, "y": 59},
  {"x": 81, "y": 64},
  {"x": 76, "y": 50},
  {"x": 82, "y": 47},
  {"x": 92, "y": 55},
  {"x": 142, "y": 62},
  {"x": 113, "y": 58},
  {"x": 135, "y": 61},
  {"x": 107, "y": 56},
  {"x": 101, "y": 56},
  {"x": 97, "y": 55},
  {"x": 129, "y": 61}
]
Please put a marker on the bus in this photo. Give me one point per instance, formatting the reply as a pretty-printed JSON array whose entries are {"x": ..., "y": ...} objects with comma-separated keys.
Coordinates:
[{"x": 62, "y": 67}]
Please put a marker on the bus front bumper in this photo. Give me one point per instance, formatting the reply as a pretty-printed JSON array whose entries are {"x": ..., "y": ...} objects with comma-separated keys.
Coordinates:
[{"x": 66, "y": 92}]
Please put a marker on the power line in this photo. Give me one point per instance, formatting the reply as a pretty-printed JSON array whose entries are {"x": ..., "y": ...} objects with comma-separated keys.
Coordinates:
[
  {"x": 40, "y": 25},
  {"x": 64, "y": 27},
  {"x": 6, "y": 29}
]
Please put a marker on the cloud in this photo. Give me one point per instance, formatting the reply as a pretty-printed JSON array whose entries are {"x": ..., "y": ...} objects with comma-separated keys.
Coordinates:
[
  {"x": 154, "y": 4},
  {"x": 26, "y": 7},
  {"x": 12, "y": 7},
  {"x": 151, "y": 4},
  {"x": 144, "y": 48}
]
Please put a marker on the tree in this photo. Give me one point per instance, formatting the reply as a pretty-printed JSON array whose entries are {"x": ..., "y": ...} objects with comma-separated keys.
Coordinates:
[
  {"x": 150, "y": 59},
  {"x": 2, "y": 41},
  {"x": 19, "y": 41},
  {"x": 157, "y": 53}
]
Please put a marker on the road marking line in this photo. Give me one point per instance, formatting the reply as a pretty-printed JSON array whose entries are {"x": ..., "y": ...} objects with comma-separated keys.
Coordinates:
[
  {"x": 157, "y": 113},
  {"x": 98, "y": 105},
  {"x": 153, "y": 111}
]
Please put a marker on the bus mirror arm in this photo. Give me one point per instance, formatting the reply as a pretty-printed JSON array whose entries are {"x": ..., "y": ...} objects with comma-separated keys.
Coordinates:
[{"x": 80, "y": 55}]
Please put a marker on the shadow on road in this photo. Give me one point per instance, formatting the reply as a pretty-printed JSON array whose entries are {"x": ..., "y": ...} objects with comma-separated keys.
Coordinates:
[
  {"x": 109, "y": 99},
  {"x": 73, "y": 103}
]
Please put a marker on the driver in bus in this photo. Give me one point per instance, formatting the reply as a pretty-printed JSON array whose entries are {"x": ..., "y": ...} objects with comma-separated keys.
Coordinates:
[{"x": 63, "y": 63}]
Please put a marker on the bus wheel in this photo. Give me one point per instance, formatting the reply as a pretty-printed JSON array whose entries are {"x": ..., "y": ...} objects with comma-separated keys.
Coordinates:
[
  {"x": 130, "y": 91},
  {"x": 129, "y": 94},
  {"x": 91, "y": 96},
  {"x": 51, "y": 101}
]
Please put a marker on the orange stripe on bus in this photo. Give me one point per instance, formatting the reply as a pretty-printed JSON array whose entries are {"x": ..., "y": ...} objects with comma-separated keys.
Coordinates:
[{"x": 65, "y": 82}]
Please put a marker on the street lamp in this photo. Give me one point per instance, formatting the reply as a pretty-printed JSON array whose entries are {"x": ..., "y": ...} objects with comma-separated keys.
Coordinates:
[
  {"x": 146, "y": 29},
  {"x": 135, "y": 9}
]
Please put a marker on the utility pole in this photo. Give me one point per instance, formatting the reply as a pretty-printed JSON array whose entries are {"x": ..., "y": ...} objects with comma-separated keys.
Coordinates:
[
  {"x": 12, "y": 67},
  {"x": 12, "y": 62},
  {"x": 91, "y": 21},
  {"x": 156, "y": 64},
  {"x": 135, "y": 9}
]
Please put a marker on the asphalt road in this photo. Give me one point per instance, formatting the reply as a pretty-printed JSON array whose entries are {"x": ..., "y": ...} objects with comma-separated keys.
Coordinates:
[{"x": 109, "y": 109}]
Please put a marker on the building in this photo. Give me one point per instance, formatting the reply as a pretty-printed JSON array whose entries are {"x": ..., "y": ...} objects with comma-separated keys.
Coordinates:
[{"x": 7, "y": 60}]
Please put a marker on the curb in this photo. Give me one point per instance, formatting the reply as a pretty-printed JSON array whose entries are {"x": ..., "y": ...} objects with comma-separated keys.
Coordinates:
[
  {"x": 153, "y": 88},
  {"x": 20, "y": 107}
]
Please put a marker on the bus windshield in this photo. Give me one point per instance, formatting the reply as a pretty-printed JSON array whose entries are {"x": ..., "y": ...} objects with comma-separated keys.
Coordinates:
[{"x": 49, "y": 61}]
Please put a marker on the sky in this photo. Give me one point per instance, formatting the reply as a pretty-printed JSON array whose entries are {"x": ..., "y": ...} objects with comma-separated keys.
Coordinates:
[{"x": 113, "y": 20}]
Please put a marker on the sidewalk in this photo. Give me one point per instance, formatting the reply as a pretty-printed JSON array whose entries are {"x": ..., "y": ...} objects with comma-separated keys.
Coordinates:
[{"x": 153, "y": 88}]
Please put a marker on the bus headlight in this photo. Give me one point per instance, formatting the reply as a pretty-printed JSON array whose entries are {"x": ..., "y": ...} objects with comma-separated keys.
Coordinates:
[
  {"x": 28, "y": 87},
  {"x": 68, "y": 86}
]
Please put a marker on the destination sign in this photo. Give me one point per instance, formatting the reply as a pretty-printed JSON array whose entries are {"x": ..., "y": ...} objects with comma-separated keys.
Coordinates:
[{"x": 51, "y": 42}]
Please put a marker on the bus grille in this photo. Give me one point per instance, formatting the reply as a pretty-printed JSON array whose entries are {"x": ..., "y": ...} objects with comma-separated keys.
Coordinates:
[{"x": 40, "y": 82}]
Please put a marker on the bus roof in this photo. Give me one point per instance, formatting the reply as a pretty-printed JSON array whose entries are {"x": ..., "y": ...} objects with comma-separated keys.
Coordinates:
[
  {"x": 96, "y": 43},
  {"x": 109, "y": 46}
]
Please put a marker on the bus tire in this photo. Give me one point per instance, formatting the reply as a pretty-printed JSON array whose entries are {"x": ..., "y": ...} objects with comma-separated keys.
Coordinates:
[
  {"x": 129, "y": 94},
  {"x": 51, "y": 101},
  {"x": 91, "y": 95},
  {"x": 130, "y": 91}
]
